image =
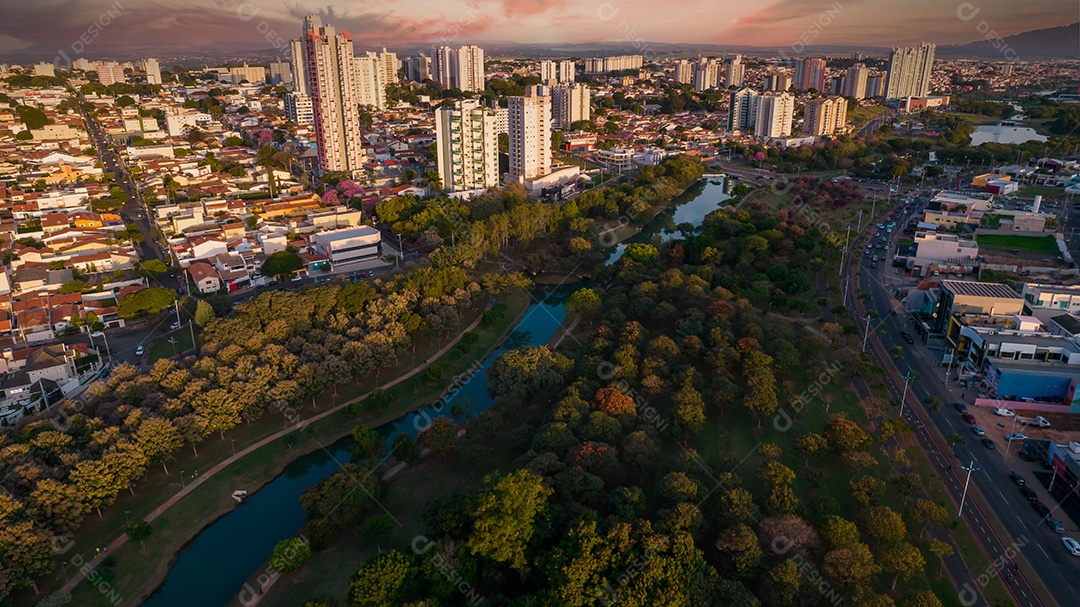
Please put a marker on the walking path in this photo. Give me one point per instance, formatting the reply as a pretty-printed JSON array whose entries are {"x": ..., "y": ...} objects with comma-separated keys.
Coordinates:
[{"x": 120, "y": 541}]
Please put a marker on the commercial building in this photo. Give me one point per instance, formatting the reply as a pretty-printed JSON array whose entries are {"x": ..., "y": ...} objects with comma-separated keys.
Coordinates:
[
  {"x": 569, "y": 104},
  {"x": 735, "y": 70},
  {"x": 706, "y": 74},
  {"x": 943, "y": 253},
  {"x": 348, "y": 246},
  {"x": 299, "y": 109},
  {"x": 810, "y": 74},
  {"x": 855, "y": 81},
  {"x": 44, "y": 69},
  {"x": 910, "y": 105},
  {"x": 251, "y": 73},
  {"x": 328, "y": 66},
  {"x": 530, "y": 135},
  {"x": 153, "y": 71},
  {"x": 1057, "y": 298},
  {"x": 684, "y": 72},
  {"x": 467, "y": 146},
  {"x": 460, "y": 68},
  {"x": 774, "y": 113},
  {"x": 742, "y": 111},
  {"x": 968, "y": 299},
  {"x": 825, "y": 116},
  {"x": 909, "y": 72}
]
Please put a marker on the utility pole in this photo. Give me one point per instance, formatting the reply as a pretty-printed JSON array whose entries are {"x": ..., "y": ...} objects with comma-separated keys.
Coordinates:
[
  {"x": 963, "y": 496},
  {"x": 1009, "y": 443},
  {"x": 949, "y": 371},
  {"x": 843, "y": 254},
  {"x": 903, "y": 399},
  {"x": 867, "y": 333}
]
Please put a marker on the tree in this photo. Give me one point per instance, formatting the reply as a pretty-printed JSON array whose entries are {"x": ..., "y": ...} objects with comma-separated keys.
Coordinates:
[
  {"x": 204, "y": 313},
  {"x": 504, "y": 515},
  {"x": 159, "y": 440},
  {"x": 928, "y": 515},
  {"x": 405, "y": 449},
  {"x": 522, "y": 373},
  {"x": 740, "y": 547},
  {"x": 152, "y": 268},
  {"x": 290, "y": 554},
  {"x": 584, "y": 303},
  {"x": 903, "y": 560},
  {"x": 147, "y": 302},
  {"x": 850, "y": 564},
  {"x": 139, "y": 531},
  {"x": 645, "y": 254},
  {"x": 838, "y": 532},
  {"x": 885, "y": 524},
  {"x": 440, "y": 436},
  {"x": 75, "y": 285},
  {"x": 375, "y": 528},
  {"x": 923, "y": 598},
  {"x": 281, "y": 263},
  {"x": 845, "y": 435},
  {"x": 941, "y": 550},
  {"x": 369, "y": 443},
  {"x": 96, "y": 482},
  {"x": 809, "y": 444},
  {"x": 124, "y": 101},
  {"x": 58, "y": 505},
  {"x": 381, "y": 582}
]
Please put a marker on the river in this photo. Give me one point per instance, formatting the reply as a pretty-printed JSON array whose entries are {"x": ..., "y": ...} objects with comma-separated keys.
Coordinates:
[{"x": 213, "y": 567}]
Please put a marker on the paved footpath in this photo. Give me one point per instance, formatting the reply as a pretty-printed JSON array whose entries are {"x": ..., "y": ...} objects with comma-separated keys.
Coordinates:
[{"x": 120, "y": 541}]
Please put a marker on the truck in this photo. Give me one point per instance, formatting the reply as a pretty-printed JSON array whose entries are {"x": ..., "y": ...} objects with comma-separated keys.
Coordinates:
[{"x": 1038, "y": 420}]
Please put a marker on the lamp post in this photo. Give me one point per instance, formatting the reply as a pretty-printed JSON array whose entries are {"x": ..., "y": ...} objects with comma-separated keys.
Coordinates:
[
  {"x": 1009, "y": 443},
  {"x": 233, "y": 441},
  {"x": 963, "y": 496},
  {"x": 949, "y": 371},
  {"x": 64, "y": 565},
  {"x": 181, "y": 479},
  {"x": 866, "y": 334},
  {"x": 843, "y": 254},
  {"x": 127, "y": 521},
  {"x": 903, "y": 399}
]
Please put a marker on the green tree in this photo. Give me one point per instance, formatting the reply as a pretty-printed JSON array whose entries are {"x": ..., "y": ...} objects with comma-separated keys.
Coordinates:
[
  {"x": 152, "y": 268},
  {"x": 139, "y": 531},
  {"x": 440, "y": 436},
  {"x": 97, "y": 483},
  {"x": 504, "y": 517},
  {"x": 584, "y": 303},
  {"x": 290, "y": 554},
  {"x": 645, "y": 254},
  {"x": 850, "y": 564},
  {"x": 381, "y": 582},
  {"x": 75, "y": 285},
  {"x": 369, "y": 443},
  {"x": 522, "y": 373},
  {"x": 885, "y": 524},
  {"x": 146, "y": 302},
  {"x": 57, "y": 504},
  {"x": 375, "y": 528},
  {"x": 204, "y": 313},
  {"x": 903, "y": 560},
  {"x": 281, "y": 263},
  {"x": 159, "y": 440},
  {"x": 405, "y": 449}
]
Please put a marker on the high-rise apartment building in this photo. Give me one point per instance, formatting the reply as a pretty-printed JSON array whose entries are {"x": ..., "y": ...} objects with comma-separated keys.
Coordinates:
[
  {"x": 298, "y": 108},
  {"x": 328, "y": 66},
  {"x": 389, "y": 66},
  {"x": 569, "y": 104},
  {"x": 774, "y": 114},
  {"x": 825, "y": 116},
  {"x": 251, "y": 73},
  {"x": 368, "y": 74},
  {"x": 296, "y": 57},
  {"x": 280, "y": 72},
  {"x": 684, "y": 72},
  {"x": 549, "y": 72},
  {"x": 855, "y": 81},
  {"x": 109, "y": 72},
  {"x": 460, "y": 68},
  {"x": 909, "y": 72},
  {"x": 875, "y": 85},
  {"x": 467, "y": 146},
  {"x": 734, "y": 76},
  {"x": 153, "y": 71},
  {"x": 777, "y": 82},
  {"x": 599, "y": 65},
  {"x": 566, "y": 71},
  {"x": 706, "y": 74},
  {"x": 530, "y": 135},
  {"x": 742, "y": 112},
  {"x": 810, "y": 74},
  {"x": 418, "y": 68}
]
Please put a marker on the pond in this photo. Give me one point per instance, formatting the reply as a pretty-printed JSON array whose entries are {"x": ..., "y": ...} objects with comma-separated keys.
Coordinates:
[
  {"x": 213, "y": 568},
  {"x": 1004, "y": 134}
]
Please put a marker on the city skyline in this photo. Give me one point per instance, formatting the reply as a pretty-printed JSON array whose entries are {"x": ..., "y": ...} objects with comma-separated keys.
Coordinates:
[{"x": 213, "y": 25}]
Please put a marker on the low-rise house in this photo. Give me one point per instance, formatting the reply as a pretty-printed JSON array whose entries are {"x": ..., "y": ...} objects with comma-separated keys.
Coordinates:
[{"x": 204, "y": 276}]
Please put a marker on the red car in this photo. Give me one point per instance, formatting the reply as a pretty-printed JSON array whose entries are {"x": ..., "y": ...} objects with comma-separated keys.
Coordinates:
[{"x": 969, "y": 418}]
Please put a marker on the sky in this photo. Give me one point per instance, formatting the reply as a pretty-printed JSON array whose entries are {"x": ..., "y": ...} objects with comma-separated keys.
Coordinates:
[{"x": 88, "y": 27}]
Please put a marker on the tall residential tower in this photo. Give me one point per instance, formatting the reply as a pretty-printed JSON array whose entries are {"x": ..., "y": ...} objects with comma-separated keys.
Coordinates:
[
  {"x": 909, "y": 72},
  {"x": 328, "y": 68}
]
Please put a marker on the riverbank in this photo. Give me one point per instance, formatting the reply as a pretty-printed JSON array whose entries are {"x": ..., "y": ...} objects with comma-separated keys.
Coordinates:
[{"x": 139, "y": 573}]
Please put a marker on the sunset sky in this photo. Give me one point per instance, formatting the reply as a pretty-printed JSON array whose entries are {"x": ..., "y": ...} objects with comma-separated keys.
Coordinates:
[{"x": 44, "y": 26}]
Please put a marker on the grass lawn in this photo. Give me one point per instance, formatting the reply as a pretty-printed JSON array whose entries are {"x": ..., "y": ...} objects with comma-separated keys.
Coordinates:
[
  {"x": 138, "y": 573},
  {"x": 161, "y": 348},
  {"x": 1046, "y": 245},
  {"x": 1047, "y": 192}
]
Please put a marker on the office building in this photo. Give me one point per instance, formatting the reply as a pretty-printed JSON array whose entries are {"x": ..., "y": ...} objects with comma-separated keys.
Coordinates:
[
  {"x": 875, "y": 86},
  {"x": 810, "y": 74},
  {"x": 549, "y": 72},
  {"x": 467, "y": 146},
  {"x": 566, "y": 71},
  {"x": 109, "y": 72},
  {"x": 855, "y": 81},
  {"x": 684, "y": 72},
  {"x": 706, "y": 74},
  {"x": 418, "y": 68},
  {"x": 328, "y": 65},
  {"x": 909, "y": 72},
  {"x": 777, "y": 82},
  {"x": 298, "y": 109},
  {"x": 569, "y": 104},
  {"x": 349, "y": 245},
  {"x": 530, "y": 135},
  {"x": 460, "y": 68},
  {"x": 153, "y": 71},
  {"x": 280, "y": 73},
  {"x": 734, "y": 76},
  {"x": 825, "y": 116},
  {"x": 774, "y": 114},
  {"x": 742, "y": 112},
  {"x": 296, "y": 57},
  {"x": 368, "y": 81}
]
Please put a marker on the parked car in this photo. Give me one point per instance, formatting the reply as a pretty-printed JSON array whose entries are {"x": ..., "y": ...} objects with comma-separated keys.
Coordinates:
[
  {"x": 1055, "y": 525},
  {"x": 175, "y": 325},
  {"x": 297, "y": 278},
  {"x": 1071, "y": 545},
  {"x": 1002, "y": 411},
  {"x": 961, "y": 407},
  {"x": 1028, "y": 494},
  {"x": 989, "y": 444},
  {"x": 139, "y": 351},
  {"x": 1016, "y": 478},
  {"x": 1016, "y": 436},
  {"x": 978, "y": 431},
  {"x": 969, "y": 418},
  {"x": 1040, "y": 508}
]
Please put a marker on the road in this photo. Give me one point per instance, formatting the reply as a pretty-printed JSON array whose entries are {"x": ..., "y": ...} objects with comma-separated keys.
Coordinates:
[{"x": 1055, "y": 569}]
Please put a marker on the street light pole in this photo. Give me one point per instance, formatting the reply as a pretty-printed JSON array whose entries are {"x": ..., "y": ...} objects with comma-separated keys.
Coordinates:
[
  {"x": 1009, "y": 443},
  {"x": 181, "y": 479},
  {"x": 948, "y": 373},
  {"x": 233, "y": 441},
  {"x": 903, "y": 399},
  {"x": 843, "y": 254},
  {"x": 963, "y": 496},
  {"x": 867, "y": 333},
  {"x": 127, "y": 521}
]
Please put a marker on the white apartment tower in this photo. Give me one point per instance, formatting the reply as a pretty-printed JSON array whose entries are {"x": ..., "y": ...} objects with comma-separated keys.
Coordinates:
[
  {"x": 855, "y": 81},
  {"x": 684, "y": 72},
  {"x": 280, "y": 73},
  {"x": 825, "y": 116},
  {"x": 734, "y": 76},
  {"x": 296, "y": 55},
  {"x": 467, "y": 146},
  {"x": 742, "y": 113},
  {"x": 909, "y": 72},
  {"x": 460, "y": 68},
  {"x": 388, "y": 64},
  {"x": 368, "y": 74},
  {"x": 530, "y": 135},
  {"x": 418, "y": 68},
  {"x": 706, "y": 74},
  {"x": 153, "y": 72},
  {"x": 110, "y": 72},
  {"x": 774, "y": 114},
  {"x": 328, "y": 66},
  {"x": 566, "y": 71},
  {"x": 298, "y": 109},
  {"x": 569, "y": 104},
  {"x": 549, "y": 72}
]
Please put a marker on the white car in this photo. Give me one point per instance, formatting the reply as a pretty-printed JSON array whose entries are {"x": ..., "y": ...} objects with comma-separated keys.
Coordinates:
[
  {"x": 139, "y": 351},
  {"x": 1016, "y": 436},
  {"x": 175, "y": 325},
  {"x": 1003, "y": 412},
  {"x": 297, "y": 278},
  {"x": 1071, "y": 545}
]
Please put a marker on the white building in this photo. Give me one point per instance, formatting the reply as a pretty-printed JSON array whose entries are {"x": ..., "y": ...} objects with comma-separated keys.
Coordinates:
[
  {"x": 328, "y": 65},
  {"x": 684, "y": 72},
  {"x": 569, "y": 104},
  {"x": 153, "y": 71},
  {"x": 298, "y": 109},
  {"x": 460, "y": 68},
  {"x": 280, "y": 72},
  {"x": 467, "y": 146},
  {"x": 735, "y": 70},
  {"x": 742, "y": 112},
  {"x": 909, "y": 72},
  {"x": 109, "y": 72},
  {"x": 176, "y": 124},
  {"x": 706, "y": 74},
  {"x": 296, "y": 58},
  {"x": 855, "y": 81},
  {"x": 368, "y": 81},
  {"x": 349, "y": 245},
  {"x": 825, "y": 116},
  {"x": 1059, "y": 298},
  {"x": 44, "y": 69},
  {"x": 774, "y": 114},
  {"x": 549, "y": 72},
  {"x": 566, "y": 71},
  {"x": 530, "y": 135}
]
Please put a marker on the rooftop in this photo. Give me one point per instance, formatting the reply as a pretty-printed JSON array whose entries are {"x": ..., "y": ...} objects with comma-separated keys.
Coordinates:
[{"x": 980, "y": 289}]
